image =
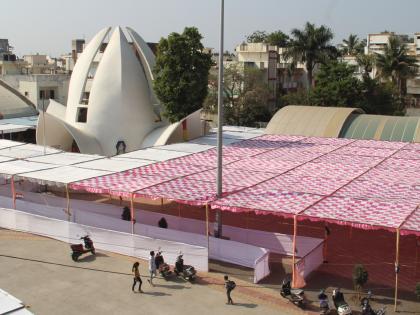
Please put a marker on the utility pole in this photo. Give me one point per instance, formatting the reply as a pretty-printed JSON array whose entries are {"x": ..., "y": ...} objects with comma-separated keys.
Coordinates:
[
  {"x": 218, "y": 231},
  {"x": 43, "y": 122}
]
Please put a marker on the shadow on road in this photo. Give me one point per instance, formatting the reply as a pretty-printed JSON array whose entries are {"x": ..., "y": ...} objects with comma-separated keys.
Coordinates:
[
  {"x": 157, "y": 293},
  {"x": 247, "y": 305}
]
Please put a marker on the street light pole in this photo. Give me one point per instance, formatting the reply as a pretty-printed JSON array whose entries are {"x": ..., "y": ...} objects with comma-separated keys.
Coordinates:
[
  {"x": 43, "y": 122},
  {"x": 218, "y": 232}
]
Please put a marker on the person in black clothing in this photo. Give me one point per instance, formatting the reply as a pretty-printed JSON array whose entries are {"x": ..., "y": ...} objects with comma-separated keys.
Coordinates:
[
  {"x": 162, "y": 223},
  {"x": 229, "y": 285},
  {"x": 136, "y": 274},
  {"x": 126, "y": 215}
]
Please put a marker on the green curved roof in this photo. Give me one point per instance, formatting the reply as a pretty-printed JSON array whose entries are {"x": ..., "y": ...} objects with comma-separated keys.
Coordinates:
[{"x": 377, "y": 127}]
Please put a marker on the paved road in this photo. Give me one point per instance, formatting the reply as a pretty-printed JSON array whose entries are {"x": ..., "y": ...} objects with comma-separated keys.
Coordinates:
[{"x": 46, "y": 279}]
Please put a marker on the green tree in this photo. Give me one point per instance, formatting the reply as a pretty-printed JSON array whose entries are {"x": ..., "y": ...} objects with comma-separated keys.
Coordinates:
[
  {"x": 353, "y": 45},
  {"x": 417, "y": 291},
  {"x": 360, "y": 277},
  {"x": 257, "y": 37},
  {"x": 379, "y": 98},
  {"x": 311, "y": 46},
  {"x": 245, "y": 96},
  {"x": 366, "y": 62},
  {"x": 336, "y": 86},
  {"x": 396, "y": 64},
  {"x": 278, "y": 38},
  {"x": 181, "y": 73}
]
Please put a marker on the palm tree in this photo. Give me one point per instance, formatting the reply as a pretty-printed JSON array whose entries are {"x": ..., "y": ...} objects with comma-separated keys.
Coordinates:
[
  {"x": 310, "y": 46},
  {"x": 366, "y": 62},
  {"x": 350, "y": 44},
  {"x": 396, "y": 64}
]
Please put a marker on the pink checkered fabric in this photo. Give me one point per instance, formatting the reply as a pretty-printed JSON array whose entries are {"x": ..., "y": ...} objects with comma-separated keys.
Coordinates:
[
  {"x": 392, "y": 175},
  {"x": 380, "y": 190},
  {"x": 412, "y": 146},
  {"x": 256, "y": 164},
  {"x": 408, "y": 155},
  {"x": 186, "y": 191},
  {"x": 206, "y": 159},
  {"x": 258, "y": 199},
  {"x": 330, "y": 141},
  {"x": 306, "y": 184},
  {"x": 413, "y": 223},
  {"x": 281, "y": 138},
  {"x": 239, "y": 151},
  {"x": 400, "y": 164},
  {"x": 380, "y": 152},
  {"x": 288, "y": 154},
  {"x": 169, "y": 169},
  {"x": 369, "y": 161},
  {"x": 329, "y": 170},
  {"x": 259, "y": 143},
  {"x": 388, "y": 214},
  {"x": 378, "y": 144},
  {"x": 244, "y": 178},
  {"x": 116, "y": 184}
]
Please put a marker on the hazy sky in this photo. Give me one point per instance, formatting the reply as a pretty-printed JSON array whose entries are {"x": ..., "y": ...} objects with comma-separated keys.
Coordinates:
[{"x": 47, "y": 26}]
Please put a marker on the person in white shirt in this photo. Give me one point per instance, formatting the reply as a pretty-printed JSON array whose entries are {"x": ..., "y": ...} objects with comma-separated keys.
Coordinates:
[{"x": 152, "y": 267}]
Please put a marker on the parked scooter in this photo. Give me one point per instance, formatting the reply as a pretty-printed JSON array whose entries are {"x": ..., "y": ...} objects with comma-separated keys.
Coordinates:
[
  {"x": 296, "y": 296},
  {"x": 185, "y": 271},
  {"x": 342, "y": 307},
  {"x": 164, "y": 269},
  {"x": 324, "y": 306},
  {"x": 79, "y": 250},
  {"x": 367, "y": 309}
]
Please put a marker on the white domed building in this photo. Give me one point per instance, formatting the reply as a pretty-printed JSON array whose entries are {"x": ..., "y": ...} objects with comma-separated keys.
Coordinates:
[{"x": 111, "y": 105}]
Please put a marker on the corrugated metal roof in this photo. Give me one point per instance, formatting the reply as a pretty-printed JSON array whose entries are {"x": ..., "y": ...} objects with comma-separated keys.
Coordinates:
[{"x": 386, "y": 128}]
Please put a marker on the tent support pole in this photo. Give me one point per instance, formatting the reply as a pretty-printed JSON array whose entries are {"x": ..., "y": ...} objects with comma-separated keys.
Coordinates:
[
  {"x": 132, "y": 213},
  {"x": 161, "y": 203},
  {"x": 397, "y": 263},
  {"x": 294, "y": 250},
  {"x": 12, "y": 183},
  {"x": 207, "y": 230},
  {"x": 68, "y": 203}
]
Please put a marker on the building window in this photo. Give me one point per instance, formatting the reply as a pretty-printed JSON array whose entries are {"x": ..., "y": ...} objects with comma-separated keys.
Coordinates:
[
  {"x": 81, "y": 115},
  {"x": 85, "y": 98},
  {"x": 26, "y": 93},
  {"x": 52, "y": 94},
  {"x": 42, "y": 94}
]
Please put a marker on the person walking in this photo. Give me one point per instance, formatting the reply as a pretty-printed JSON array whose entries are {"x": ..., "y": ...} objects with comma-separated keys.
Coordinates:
[
  {"x": 136, "y": 274},
  {"x": 229, "y": 285},
  {"x": 152, "y": 267}
]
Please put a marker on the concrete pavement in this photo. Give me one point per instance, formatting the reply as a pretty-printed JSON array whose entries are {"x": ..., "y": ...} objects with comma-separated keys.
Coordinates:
[{"x": 40, "y": 272}]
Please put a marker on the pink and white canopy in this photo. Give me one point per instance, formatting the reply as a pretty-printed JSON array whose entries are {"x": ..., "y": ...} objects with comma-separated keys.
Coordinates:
[{"x": 364, "y": 183}]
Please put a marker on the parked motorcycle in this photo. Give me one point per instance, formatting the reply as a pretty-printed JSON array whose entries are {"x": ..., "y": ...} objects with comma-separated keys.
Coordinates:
[
  {"x": 79, "y": 250},
  {"x": 367, "y": 309},
  {"x": 324, "y": 306},
  {"x": 164, "y": 268},
  {"x": 296, "y": 296},
  {"x": 185, "y": 271},
  {"x": 342, "y": 307}
]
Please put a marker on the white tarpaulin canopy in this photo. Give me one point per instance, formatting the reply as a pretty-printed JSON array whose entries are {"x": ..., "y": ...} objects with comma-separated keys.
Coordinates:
[
  {"x": 18, "y": 167},
  {"x": 11, "y": 128},
  {"x": 114, "y": 164},
  {"x": 27, "y": 151},
  {"x": 9, "y": 143},
  {"x": 62, "y": 175},
  {"x": 65, "y": 158},
  {"x": 212, "y": 140},
  {"x": 154, "y": 154},
  {"x": 5, "y": 159}
]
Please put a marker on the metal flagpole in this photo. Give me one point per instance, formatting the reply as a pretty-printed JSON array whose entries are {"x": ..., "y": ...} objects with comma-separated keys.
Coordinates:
[
  {"x": 43, "y": 123},
  {"x": 12, "y": 183},
  {"x": 294, "y": 250},
  {"x": 397, "y": 268},
  {"x": 218, "y": 232},
  {"x": 132, "y": 213},
  {"x": 207, "y": 229},
  {"x": 68, "y": 203}
]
